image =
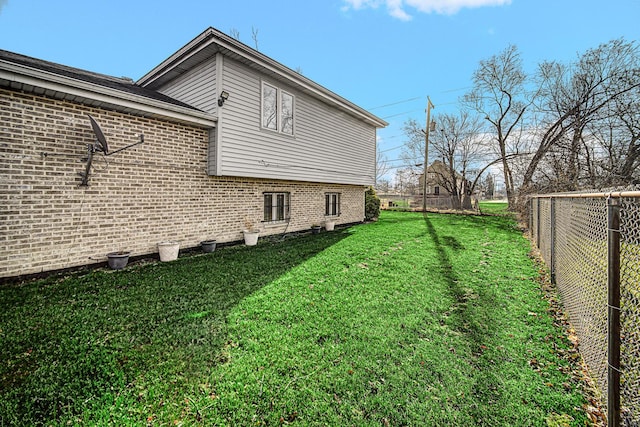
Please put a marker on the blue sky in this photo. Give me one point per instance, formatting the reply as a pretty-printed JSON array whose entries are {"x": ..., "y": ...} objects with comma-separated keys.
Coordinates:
[{"x": 384, "y": 55}]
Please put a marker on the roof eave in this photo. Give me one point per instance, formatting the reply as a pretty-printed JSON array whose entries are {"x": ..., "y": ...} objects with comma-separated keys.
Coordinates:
[
  {"x": 212, "y": 36},
  {"x": 16, "y": 73}
]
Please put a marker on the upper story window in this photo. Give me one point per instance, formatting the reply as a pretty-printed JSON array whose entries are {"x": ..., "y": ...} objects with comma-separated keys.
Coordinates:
[
  {"x": 276, "y": 207},
  {"x": 277, "y": 109},
  {"x": 332, "y": 204}
]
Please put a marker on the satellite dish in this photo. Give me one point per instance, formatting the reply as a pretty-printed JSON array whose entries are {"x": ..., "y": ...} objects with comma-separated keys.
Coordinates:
[
  {"x": 100, "y": 145},
  {"x": 102, "y": 141}
]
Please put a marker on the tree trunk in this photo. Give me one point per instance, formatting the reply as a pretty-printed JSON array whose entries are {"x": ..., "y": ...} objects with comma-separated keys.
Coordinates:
[
  {"x": 629, "y": 164},
  {"x": 573, "y": 169}
]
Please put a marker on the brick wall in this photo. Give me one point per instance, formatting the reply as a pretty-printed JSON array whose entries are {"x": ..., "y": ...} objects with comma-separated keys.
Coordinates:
[{"x": 153, "y": 192}]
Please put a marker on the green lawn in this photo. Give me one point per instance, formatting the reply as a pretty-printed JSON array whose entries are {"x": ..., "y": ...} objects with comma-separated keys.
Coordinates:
[
  {"x": 435, "y": 321},
  {"x": 492, "y": 207}
]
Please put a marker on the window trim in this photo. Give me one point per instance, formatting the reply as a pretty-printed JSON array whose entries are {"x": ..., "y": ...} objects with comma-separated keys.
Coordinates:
[
  {"x": 331, "y": 208},
  {"x": 275, "y": 208},
  {"x": 279, "y": 114},
  {"x": 263, "y": 105}
]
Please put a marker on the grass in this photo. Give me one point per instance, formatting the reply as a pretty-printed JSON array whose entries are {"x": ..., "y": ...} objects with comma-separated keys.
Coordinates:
[
  {"x": 406, "y": 321},
  {"x": 491, "y": 207}
]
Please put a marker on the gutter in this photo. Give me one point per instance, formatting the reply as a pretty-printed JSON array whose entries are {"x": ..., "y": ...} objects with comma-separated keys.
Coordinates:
[{"x": 55, "y": 82}]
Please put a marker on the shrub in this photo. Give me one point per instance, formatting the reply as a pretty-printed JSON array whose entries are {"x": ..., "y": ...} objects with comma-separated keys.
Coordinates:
[{"x": 371, "y": 204}]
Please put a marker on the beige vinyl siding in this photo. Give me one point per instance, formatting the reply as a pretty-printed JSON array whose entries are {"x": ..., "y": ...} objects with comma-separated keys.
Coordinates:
[
  {"x": 327, "y": 146},
  {"x": 196, "y": 87}
]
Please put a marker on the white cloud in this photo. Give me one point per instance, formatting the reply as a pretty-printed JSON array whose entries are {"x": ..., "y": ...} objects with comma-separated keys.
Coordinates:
[{"x": 396, "y": 8}]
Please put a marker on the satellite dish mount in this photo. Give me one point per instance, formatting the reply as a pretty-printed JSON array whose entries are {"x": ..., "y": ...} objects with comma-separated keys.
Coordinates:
[{"x": 100, "y": 145}]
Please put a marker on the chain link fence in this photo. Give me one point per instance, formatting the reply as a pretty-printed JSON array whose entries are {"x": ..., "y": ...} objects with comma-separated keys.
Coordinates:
[
  {"x": 591, "y": 245},
  {"x": 414, "y": 202}
]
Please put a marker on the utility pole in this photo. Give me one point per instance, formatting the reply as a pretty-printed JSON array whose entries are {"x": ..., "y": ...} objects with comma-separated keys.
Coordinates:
[{"x": 428, "y": 125}]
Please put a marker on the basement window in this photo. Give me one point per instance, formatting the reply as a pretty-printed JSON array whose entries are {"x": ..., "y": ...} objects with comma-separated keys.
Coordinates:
[
  {"x": 276, "y": 207},
  {"x": 332, "y": 204}
]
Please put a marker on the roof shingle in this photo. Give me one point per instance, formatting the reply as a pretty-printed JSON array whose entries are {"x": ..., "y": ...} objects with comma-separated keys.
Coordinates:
[{"x": 118, "y": 83}]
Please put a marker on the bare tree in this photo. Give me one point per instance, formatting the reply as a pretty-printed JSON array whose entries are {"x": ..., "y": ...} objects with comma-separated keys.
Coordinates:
[
  {"x": 234, "y": 33},
  {"x": 383, "y": 185},
  {"x": 616, "y": 141},
  {"x": 627, "y": 169},
  {"x": 489, "y": 185},
  {"x": 499, "y": 95},
  {"x": 460, "y": 142},
  {"x": 580, "y": 104},
  {"x": 382, "y": 167},
  {"x": 412, "y": 153},
  {"x": 406, "y": 181},
  {"x": 254, "y": 36}
]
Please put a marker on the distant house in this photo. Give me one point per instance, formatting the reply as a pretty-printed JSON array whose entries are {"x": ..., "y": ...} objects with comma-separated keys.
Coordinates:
[
  {"x": 436, "y": 180},
  {"x": 230, "y": 138},
  {"x": 389, "y": 200},
  {"x": 440, "y": 191}
]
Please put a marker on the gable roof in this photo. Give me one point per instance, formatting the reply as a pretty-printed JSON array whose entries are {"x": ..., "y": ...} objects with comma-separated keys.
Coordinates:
[
  {"x": 212, "y": 41},
  {"x": 20, "y": 72}
]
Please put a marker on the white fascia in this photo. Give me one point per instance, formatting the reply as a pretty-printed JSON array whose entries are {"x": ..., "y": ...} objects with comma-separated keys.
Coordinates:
[
  {"x": 215, "y": 37},
  {"x": 51, "y": 81}
]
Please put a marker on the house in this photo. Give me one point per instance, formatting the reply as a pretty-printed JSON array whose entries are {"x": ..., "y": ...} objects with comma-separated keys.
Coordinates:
[
  {"x": 437, "y": 178},
  {"x": 440, "y": 188},
  {"x": 215, "y": 138}
]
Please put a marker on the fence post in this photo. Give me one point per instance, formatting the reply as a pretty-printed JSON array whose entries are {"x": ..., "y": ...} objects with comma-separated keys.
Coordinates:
[
  {"x": 552, "y": 243},
  {"x": 538, "y": 223},
  {"x": 530, "y": 205},
  {"x": 613, "y": 282}
]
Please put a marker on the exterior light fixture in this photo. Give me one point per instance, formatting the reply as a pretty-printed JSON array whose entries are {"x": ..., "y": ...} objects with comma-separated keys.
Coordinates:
[{"x": 224, "y": 95}]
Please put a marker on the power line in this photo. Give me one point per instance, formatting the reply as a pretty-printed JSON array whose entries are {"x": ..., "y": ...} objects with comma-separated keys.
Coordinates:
[
  {"x": 447, "y": 103},
  {"x": 384, "y": 138},
  {"x": 395, "y": 160},
  {"x": 402, "y": 166},
  {"x": 456, "y": 90},
  {"x": 395, "y": 103},
  {"x": 413, "y": 111},
  {"x": 401, "y": 114},
  {"x": 392, "y": 148},
  {"x": 413, "y": 99},
  {"x": 419, "y": 97}
]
